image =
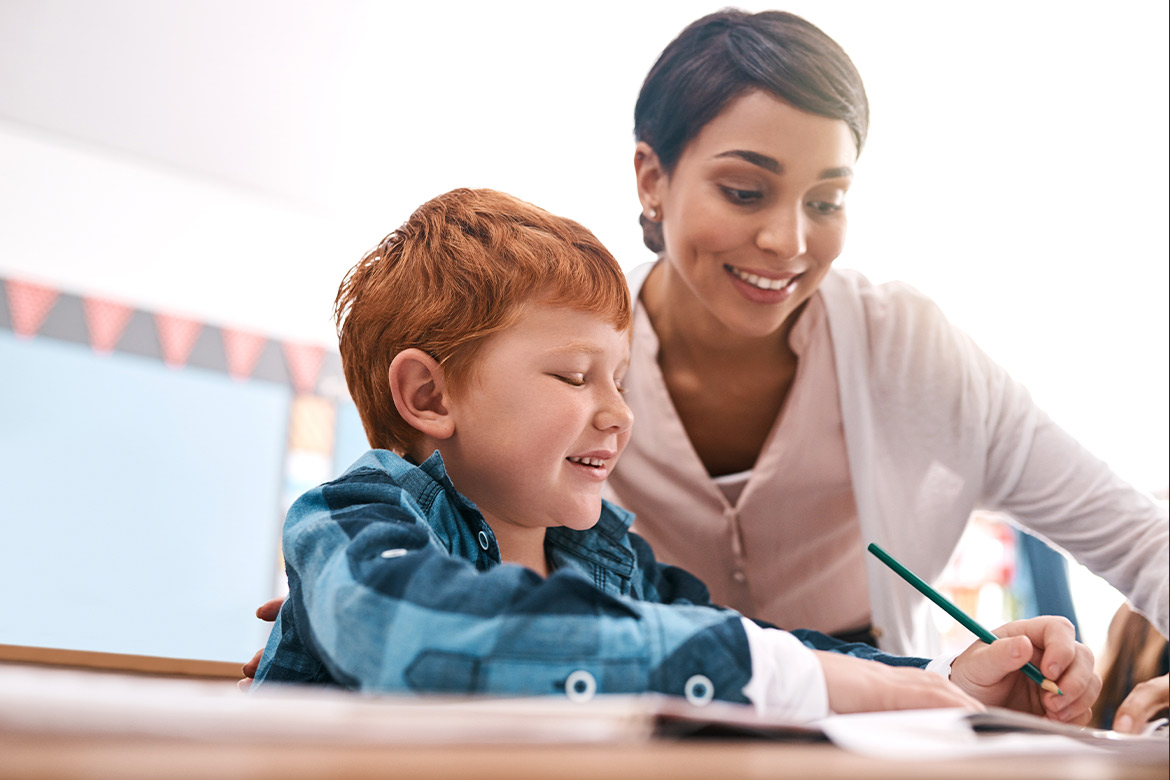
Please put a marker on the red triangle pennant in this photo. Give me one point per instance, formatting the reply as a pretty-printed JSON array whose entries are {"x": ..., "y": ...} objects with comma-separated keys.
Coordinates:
[
  {"x": 304, "y": 364},
  {"x": 28, "y": 305},
  {"x": 106, "y": 321},
  {"x": 177, "y": 336},
  {"x": 243, "y": 350}
]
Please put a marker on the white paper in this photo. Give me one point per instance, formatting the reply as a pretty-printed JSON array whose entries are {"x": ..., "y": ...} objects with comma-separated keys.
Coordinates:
[{"x": 949, "y": 733}]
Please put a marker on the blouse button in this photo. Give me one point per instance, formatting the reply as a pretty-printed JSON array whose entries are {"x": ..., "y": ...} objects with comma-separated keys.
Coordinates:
[
  {"x": 739, "y": 576},
  {"x": 483, "y": 540},
  {"x": 580, "y": 686},
  {"x": 699, "y": 690}
]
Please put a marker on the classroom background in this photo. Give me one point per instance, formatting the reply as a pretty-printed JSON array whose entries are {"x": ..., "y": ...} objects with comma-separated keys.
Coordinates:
[{"x": 184, "y": 184}]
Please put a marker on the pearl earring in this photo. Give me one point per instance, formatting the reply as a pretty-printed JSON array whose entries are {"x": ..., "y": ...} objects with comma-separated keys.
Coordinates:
[{"x": 653, "y": 213}]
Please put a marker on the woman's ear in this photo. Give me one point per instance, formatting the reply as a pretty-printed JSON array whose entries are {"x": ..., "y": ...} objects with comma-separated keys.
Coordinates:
[
  {"x": 650, "y": 178},
  {"x": 419, "y": 388}
]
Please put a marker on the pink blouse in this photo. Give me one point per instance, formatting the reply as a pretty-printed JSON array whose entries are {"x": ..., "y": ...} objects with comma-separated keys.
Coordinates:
[{"x": 782, "y": 542}]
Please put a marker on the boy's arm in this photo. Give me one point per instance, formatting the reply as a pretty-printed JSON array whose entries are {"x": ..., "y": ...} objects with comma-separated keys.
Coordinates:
[{"x": 383, "y": 606}]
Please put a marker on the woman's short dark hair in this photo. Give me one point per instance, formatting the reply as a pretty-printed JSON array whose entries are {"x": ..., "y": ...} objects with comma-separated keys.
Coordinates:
[{"x": 725, "y": 54}]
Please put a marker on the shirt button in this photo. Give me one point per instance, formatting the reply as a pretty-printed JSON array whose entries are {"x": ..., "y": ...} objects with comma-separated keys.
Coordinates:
[
  {"x": 739, "y": 576},
  {"x": 397, "y": 552},
  {"x": 580, "y": 686},
  {"x": 699, "y": 690},
  {"x": 483, "y": 540}
]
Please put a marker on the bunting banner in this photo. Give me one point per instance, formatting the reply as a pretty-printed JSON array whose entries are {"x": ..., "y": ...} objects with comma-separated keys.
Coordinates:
[
  {"x": 106, "y": 320},
  {"x": 28, "y": 305},
  {"x": 304, "y": 364},
  {"x": 31, "y": 309},
  {"x": 177, "y": 336},
  {"x": 241, "y": 349}
]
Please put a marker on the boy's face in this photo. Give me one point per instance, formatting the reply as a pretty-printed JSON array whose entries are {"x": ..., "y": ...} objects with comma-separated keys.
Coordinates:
[{"x": 542, "y": 421}]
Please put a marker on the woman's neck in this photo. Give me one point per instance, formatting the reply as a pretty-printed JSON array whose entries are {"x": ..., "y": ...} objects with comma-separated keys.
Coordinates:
[
  {"x": 727, "y": 389},
  {"x": 690, "y": 337}
]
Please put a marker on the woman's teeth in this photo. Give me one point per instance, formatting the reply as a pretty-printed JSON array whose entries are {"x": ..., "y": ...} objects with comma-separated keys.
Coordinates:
[
  {"x": 593, "y": 462},
  {"x": 759, "y": 281}
]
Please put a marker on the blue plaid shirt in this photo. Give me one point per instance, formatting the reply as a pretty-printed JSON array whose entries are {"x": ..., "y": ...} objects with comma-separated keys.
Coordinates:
[{"x": 396, "y": 585}]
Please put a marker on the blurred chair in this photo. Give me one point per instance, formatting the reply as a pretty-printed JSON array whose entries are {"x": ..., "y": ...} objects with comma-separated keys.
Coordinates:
[{"x": 1041, "y": 580}]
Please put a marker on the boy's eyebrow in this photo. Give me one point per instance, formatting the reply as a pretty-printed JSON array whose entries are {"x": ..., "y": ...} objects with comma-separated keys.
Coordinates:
[
  {"x": 588, "y": 347},
  {"x": 773, "y": 165}
]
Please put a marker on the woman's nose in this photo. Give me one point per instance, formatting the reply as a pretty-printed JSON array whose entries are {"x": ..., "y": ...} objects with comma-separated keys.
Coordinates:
[{"x": 783, "y": 232}]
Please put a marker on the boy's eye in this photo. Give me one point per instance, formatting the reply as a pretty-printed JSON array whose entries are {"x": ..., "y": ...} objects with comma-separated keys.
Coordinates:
[{"x": 576, "y": 380}]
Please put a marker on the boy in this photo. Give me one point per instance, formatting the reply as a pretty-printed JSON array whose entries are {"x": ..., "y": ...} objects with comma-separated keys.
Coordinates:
[{"x": 484, "y": 343}]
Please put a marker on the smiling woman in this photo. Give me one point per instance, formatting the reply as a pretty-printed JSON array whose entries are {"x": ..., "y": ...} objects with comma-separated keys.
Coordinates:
[{"x": 789, "y": 413}]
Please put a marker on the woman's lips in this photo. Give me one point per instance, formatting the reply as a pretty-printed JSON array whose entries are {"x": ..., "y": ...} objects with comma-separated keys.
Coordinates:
[{"x": 763, "y": 289}]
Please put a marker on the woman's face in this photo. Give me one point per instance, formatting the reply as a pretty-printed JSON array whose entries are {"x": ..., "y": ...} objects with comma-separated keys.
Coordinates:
[{"x": 754, "y": 212}]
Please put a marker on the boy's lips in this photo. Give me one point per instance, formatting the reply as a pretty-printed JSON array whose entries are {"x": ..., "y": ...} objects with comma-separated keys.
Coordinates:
[{"x": 596, "y": 463}]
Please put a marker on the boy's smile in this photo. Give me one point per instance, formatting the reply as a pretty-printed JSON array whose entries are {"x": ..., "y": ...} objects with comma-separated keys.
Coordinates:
[{"x": 541, "y": 422}]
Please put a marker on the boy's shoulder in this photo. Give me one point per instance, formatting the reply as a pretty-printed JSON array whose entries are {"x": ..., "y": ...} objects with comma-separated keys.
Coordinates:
[
  {"x": 380, "y": 478},
  {"x": 382, "y": 470}
]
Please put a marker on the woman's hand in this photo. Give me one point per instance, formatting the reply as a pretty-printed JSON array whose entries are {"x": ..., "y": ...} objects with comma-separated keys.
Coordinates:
[
  {"x": 990, "y": 672},
  {"x": 860, "y": 685},
  {"x": 1146, "y": 700},
  {"x": 268, "y": 612}
]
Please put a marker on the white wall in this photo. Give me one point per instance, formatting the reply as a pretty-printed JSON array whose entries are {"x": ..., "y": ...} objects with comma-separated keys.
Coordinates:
[{"x": 231, "y": 160}]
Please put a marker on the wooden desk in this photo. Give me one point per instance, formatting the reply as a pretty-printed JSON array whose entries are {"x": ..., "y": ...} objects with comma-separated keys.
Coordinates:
[
  {"x": 51, "y": 723},
  {"x": 39, "y": 757}
]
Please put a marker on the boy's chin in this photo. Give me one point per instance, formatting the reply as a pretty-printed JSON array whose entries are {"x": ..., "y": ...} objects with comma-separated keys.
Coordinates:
[{"x": 582, "y": 520}]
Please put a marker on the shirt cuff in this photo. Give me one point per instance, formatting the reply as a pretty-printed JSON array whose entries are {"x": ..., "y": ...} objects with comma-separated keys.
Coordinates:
[
  {"x": 787, "y": 679},
  {"x": 942, "y": 665}
]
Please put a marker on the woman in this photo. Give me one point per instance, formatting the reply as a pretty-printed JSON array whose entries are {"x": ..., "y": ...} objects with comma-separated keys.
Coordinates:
[{"x": 788, "y": 414}]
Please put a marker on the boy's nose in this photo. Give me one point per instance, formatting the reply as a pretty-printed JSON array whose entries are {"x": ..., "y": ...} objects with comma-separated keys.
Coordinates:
[{"x": 614, "y": 414}]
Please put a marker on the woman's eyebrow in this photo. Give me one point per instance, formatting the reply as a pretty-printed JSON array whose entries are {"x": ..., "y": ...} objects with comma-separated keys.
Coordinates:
[
  {"x": 773, "y": 165},
  {"x": 755, "y": 158},
  {"x": 844, "y": 172}
]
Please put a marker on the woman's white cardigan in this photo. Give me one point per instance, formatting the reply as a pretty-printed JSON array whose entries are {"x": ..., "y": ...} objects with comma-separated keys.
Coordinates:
[{"x": 934, "y": 430}]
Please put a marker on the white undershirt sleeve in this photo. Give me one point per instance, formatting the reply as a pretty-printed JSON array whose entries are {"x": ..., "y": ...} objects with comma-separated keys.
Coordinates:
[
  {"x": 787, "y": 679},
  {"x": 942, "y": 665}
]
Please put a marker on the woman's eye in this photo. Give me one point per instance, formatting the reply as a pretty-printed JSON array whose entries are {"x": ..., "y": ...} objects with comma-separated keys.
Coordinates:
[
  {"x": 743, "y": 197},
  {"x": 576, "y": 380},
  {"x": 825, "y": 207}
]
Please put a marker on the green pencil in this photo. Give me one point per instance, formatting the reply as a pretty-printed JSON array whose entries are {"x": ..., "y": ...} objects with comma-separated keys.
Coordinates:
[{"x": 958, "y": 614}]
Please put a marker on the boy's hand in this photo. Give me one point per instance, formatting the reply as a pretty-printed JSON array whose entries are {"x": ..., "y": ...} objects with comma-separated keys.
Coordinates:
[
  {"x": 268, "y": 612},
  {"x": 990, "y": 672},
  {"x": 859, "y": 685}
]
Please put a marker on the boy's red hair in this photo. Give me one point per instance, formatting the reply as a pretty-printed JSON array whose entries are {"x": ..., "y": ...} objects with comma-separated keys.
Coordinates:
[{"x": 457, "y": 271}]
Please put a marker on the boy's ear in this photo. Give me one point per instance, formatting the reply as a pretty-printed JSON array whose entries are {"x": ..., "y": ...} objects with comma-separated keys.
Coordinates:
[
  {"x": 650, "y": 177},
  {"x": 419, "y": 388}
]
